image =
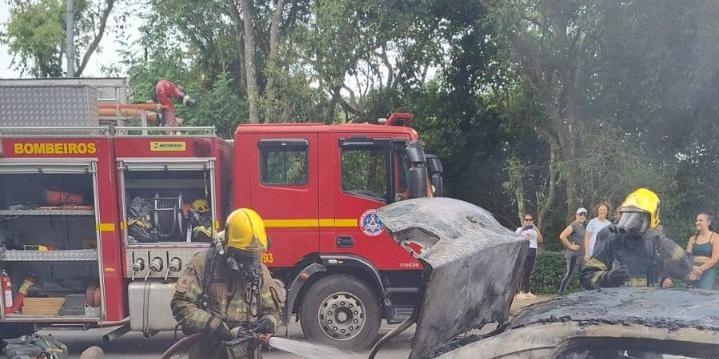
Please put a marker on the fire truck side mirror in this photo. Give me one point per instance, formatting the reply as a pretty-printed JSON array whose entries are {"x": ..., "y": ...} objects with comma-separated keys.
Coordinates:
[
  {"x": 415, "y": 153},
  {"x": 434, "y": 169},
  {"x": 417, "y": 177},
  {"x": 417, "y": 180}
]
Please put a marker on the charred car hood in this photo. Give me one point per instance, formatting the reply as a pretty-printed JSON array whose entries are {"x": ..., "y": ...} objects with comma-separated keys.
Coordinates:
[
  {"x": 674, "y": 321},
  {"x": 651, "y": 307},
  {"x": 472, "y": 266}
]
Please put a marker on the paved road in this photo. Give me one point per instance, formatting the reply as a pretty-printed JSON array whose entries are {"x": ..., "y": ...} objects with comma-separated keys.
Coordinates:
[{"x": 135, "y": 346}]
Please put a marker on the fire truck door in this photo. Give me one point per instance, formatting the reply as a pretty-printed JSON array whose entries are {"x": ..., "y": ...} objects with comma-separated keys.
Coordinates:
[
  {"x": 285, "y": 193},
  {"x": 365, "y": 179}
]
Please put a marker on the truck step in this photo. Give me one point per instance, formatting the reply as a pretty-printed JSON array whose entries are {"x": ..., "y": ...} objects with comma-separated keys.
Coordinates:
[
  {"x": 400, "y": 313},
  {"x": 392, "y": 290}
]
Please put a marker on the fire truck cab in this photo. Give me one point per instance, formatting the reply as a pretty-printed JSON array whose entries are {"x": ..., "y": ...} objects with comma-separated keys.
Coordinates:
[{"x": 317, "y": 188}]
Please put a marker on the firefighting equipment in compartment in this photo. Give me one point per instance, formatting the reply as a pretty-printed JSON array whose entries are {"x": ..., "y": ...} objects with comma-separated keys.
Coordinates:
[
  {"x": 167, "y": 215},
  {"x": 245, "y": 230},
  {"x": 22, "y": 293},
  {"x": 156, "y": 218},
  {"x": 200, "y": 205},
  {"x": 35, "y": 247},
  {"x": 6, "y": 287},
  {"x": 639, "y": 211},
  {"x": 58, "y": 197},
  {"x": 74, "y": 305},
  {"x": 140, "y": 227},
  {"x": 200, "y": 220}
]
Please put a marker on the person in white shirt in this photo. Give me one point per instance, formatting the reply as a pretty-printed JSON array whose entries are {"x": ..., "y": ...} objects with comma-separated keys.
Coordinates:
[
  {"x": 595, "y": 225},
  {"x": 531, "y": 233}
]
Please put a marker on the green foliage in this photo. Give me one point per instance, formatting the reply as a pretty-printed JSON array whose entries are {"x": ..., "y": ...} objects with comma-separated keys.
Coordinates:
[
  {"x": 549, "y": 270},
  {"x": 296, "y": 100},
  {"x": 35, "y": 35},
  {"x": 221, "y": 107},
  {"x": 36, "y": 31}
]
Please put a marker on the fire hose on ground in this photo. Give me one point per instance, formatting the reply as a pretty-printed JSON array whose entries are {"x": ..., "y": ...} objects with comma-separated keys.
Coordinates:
[{"x": 186, "y": 342}]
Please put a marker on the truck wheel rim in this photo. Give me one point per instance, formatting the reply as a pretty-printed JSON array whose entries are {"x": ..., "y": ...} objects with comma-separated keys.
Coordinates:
[{"x": 341, "y": 316}]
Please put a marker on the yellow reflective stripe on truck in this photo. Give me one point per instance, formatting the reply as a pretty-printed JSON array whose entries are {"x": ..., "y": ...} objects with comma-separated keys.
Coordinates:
[
  {"x": 310, "y": 223},
  {"x": 106, "y": 227},
  {"x": 351, "y": 222}
]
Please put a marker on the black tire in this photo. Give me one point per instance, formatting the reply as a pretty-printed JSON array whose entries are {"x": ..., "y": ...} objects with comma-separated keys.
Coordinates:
[
  {"x": 12, "y": 331},
  {"x": 355, "y": 323}
]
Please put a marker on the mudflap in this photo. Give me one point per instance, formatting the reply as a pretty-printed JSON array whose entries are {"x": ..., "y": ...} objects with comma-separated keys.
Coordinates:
[{"x": 472, "y": 266}]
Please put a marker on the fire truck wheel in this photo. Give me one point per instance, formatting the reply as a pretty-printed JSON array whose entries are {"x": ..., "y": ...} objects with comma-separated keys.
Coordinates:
[
  {"x": 341, "y": 311},
  {"x": 12, "y": 331}
]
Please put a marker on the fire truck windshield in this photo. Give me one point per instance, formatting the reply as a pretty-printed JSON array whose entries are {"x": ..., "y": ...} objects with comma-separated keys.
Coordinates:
[{"x": 380, "y": 170}]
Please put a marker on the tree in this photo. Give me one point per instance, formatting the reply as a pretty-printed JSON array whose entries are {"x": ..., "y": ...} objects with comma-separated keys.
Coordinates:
[
  {"x": 621, "y": 90},
  {"x": 360, "y": 52},
  {"x": 242, "y": 38},
  {"x": 553, "y": 44},
  {"x": 35, "y": 34},
  {"x": 249, "y": 43}
]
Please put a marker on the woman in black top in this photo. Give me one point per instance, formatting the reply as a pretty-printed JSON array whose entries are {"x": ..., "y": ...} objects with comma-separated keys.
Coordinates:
[{"x": 572, "y": 238}]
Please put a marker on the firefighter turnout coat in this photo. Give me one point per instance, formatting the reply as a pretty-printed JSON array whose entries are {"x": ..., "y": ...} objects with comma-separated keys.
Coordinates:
[
  {"x": 647, "y": 258},
  {"x": 227, "y": 299}
]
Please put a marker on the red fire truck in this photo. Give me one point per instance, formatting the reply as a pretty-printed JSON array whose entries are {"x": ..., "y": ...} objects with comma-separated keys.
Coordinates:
[{"x": 95, "y": 227}]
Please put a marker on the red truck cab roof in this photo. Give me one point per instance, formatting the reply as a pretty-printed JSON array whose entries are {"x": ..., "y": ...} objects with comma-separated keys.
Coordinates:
[{"x": 354, "y": 128}]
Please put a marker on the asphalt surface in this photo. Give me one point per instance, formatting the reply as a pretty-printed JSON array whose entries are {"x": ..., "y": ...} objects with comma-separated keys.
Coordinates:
[{"x": 134, "y": 345}]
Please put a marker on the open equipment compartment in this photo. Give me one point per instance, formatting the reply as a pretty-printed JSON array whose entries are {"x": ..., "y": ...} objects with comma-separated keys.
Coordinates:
[
  {"x": 161, "y": 173},
  {"x": 49, "y": 237},
  {"x": 157, "y": 197}
]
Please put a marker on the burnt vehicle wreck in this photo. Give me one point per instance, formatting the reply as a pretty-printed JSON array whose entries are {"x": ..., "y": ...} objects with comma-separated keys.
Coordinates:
[
  {"x": 608, "y": 323},
  {"x": 471, "y": 271}
]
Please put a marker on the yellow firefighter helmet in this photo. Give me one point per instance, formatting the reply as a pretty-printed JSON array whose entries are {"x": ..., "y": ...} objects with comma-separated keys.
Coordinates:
[
  {"x": 200, "y": 205},
  {"x": 643, "y": 200},
  {"x": 245, "y": 230}
]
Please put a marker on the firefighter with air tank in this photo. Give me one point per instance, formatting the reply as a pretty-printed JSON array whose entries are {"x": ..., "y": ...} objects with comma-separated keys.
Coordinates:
[
  {"x": 227, "y": 294},
  {"x": 634, "y": 251}
]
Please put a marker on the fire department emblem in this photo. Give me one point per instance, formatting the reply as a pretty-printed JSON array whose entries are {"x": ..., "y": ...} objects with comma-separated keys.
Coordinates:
[{"x": 370, "y": 223}]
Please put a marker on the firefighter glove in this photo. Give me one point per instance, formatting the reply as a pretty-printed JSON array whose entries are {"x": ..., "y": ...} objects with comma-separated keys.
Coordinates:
[
  {"x": 264, "y": 326},
  {"x": 617, "y": 276},
  {"x": 222, "y": 332}
]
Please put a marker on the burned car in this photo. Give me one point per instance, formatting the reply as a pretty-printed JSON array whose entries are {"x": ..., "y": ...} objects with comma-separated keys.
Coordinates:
[
  {"x": 471, "y": 272},
  {"x": 607, "y": 323}
]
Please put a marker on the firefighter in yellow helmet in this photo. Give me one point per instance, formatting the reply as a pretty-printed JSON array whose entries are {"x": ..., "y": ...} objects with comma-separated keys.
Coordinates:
[
  {"x": 227, "y": 294},
  {"x": 633, "y": 251}
]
